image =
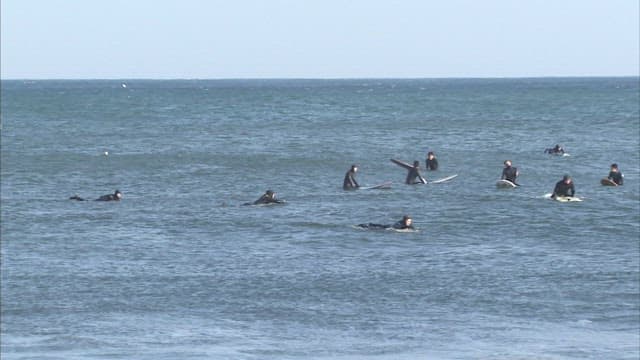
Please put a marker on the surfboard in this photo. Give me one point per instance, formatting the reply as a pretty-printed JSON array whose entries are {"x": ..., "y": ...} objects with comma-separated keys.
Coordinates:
[
  {"x": 402, "y": 163},
  {"x": 282, "y": 202},
  {"x": 505, "y": 184},
  {"x": 567, "y": 198},
  {"x": 607, "y": 182},
  {"x": 444, "y": 179},
  {"x": 384, "y": 185},
  {"x": 563, "y": 198}
]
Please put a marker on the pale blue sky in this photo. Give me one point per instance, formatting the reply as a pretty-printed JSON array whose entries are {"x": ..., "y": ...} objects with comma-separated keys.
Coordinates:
[{"x": 318, "y": 38}]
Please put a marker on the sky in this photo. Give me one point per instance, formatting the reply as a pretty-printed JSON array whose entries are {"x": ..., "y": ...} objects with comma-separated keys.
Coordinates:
[{"x": 222, "y": 39}]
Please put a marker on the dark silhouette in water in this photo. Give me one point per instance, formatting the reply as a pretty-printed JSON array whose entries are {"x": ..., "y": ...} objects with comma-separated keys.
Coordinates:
[{"x": 116, "y": 196}]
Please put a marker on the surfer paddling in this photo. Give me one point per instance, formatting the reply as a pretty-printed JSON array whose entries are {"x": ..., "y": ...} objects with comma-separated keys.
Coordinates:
[
  {"x": 556, "y": 150},
  {"x": 116, "y": 196},
  {"x": 615, "y": 175},
  {"x": 509, "y": 173},
  {"x": 404, "y": 224},
  {"x": 269, "y": 197},
  {"x": 350, "y": 182},
  {"x": 564, "y": 188}
]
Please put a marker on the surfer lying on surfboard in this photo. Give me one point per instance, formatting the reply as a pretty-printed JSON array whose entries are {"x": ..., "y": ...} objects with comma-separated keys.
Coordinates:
[
  {"x": 509, "y": 172},
  {"x": 564, "y": 188},
  {"x": 268, "y": 197},
  {"x": 556, "y": 150},
  {"x": 116, "y": 196},
  {"x": 404, "y": 224}
]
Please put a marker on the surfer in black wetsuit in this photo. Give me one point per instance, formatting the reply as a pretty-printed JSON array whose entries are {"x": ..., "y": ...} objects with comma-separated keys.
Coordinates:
[
  {"x": 404, "y": 224},
  {"x": 556, "y": 150},
  {"x": 116, "y": 196},
  {"x": 350, "y": 182},
  {"x": 615, "y": 175},
  {"x": 509, "y": 172},
  {"x": 268, "y": 197},
  {"x": 431, "y": 162},
  {"x": 414, "y": 173},
  {"x": 564, "y": 188}
]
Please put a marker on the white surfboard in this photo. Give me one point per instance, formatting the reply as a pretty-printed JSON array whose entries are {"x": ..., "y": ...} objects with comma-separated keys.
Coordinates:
[
  {"x": 563, "y": 198},
  {"x": 445, "y": 179},
  {"x": 384, "y": 185},
  {"x": 567, "y": 198},
  {"x": 505, "y": 184}
]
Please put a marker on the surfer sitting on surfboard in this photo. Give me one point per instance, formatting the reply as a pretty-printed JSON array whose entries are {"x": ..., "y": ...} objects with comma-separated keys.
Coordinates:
[
  {"x": 615, "y": 175},
  {"x": 404, "y": 224},
  {"x": 268, "y": 197},
  {"x": 509, "y": 172},
  {"x": 350, "y": 182},
  {"x": 116, "y": 196},
  {"x": 431, "y": 162},
  {"x": 564, "y": 188},
  {"x": 414, "y": 173},
  {"x": 556, "y": 150}
]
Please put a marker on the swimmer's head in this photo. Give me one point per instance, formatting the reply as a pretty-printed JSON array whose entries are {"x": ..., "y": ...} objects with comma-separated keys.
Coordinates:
[
  {"x": 416, "y": 163},
  {"x": 507, "y": 163},
  {"x": 407, "y": 220},
  {"x": 118, "y": 194}
]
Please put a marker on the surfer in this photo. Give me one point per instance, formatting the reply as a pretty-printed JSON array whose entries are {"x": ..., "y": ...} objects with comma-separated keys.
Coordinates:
[
  {"x": 414, "y": 172},
  {"x": 116, "y": 196},
  {"x": 615, "y": 175},
  {"x": 431, "y": 162},
  {"x": 556, "y": 150},
  {"x": 404, "y": 224},
  {"x": 564, "y": 188},
  {"x": 269, "y": 197},
  {"x": 350, "y": 182},
  {"x": 509, "y": 173}
]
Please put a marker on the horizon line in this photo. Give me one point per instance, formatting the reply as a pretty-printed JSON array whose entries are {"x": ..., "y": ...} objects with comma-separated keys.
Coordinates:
[{"x": 320, "y": 78}]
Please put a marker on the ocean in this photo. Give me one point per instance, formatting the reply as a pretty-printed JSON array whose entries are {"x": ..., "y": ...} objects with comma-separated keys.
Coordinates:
[{"x": 179, "y": 269}]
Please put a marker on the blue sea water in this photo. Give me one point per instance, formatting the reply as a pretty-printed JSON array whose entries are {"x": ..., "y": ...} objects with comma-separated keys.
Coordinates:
[{"x": 180, "y": 270}]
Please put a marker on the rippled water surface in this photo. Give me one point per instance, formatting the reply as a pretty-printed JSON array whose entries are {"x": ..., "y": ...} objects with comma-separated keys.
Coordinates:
[{"x": 178, "y": 269}]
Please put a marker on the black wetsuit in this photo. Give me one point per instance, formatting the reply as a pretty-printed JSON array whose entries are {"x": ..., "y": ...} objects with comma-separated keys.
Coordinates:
[
  {"x": 398, "y": 226},
  {"x": 432, "y": 164},
  {"x": 414, "y": 173},
  {"x": 616, "y": 177},
  {"x": 108, "y": 197},
  {"x": 401, "y": 226},
  {"x": 350, "y": 181},
  {"x": 563, "y": 189},
  {"x": 510, "y": 173},
  {"x": 266, "y": 199},
  {"x": 554, "y": 150}
]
